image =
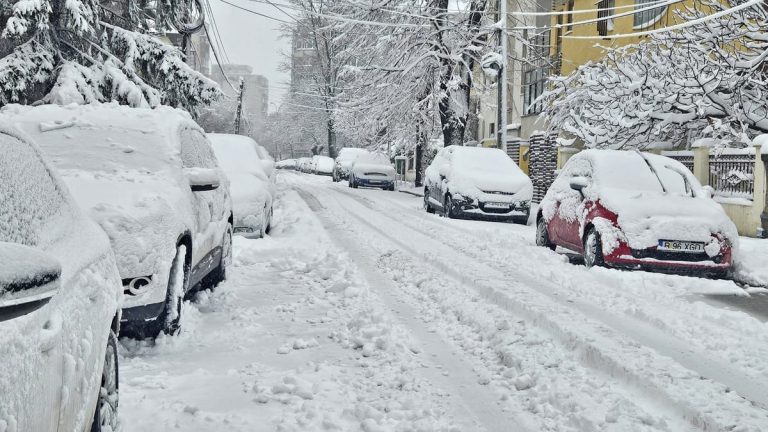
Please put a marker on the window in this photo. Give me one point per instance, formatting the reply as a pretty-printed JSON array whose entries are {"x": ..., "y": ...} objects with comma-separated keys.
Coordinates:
[
  {"x": 30, "y": 198},
  {"x": 535, "y": 72},
  {"x": 569, "y": 8},
  {"x": 492, "y": 130},
  {"x": 606, "y": 9},
  {"x": 648, "y": 17},
  {"x": 196, "y": 152},
  {"x": 303, "y": 42}
]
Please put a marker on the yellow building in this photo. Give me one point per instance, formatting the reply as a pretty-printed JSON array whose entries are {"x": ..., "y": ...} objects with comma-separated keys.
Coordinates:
[{"x": 599, "y": 23}]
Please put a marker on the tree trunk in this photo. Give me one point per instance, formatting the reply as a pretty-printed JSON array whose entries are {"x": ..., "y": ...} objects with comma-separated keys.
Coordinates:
[
  {"x": 418, "y": 152},
  {"x": 331, "y": 138}
]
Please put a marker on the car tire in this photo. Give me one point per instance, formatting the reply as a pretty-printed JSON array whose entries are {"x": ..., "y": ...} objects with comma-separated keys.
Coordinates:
[
  {"x": 542, "y": 234},
  {"x": 427, "y": 205},
  {"x": 169, "y": 321},
  {"x": 391, "y": 188},
  {"x": 226, "y": 256},
  {"x": 448, "y": 207},
  {"x": 593, "y": 249},
  {"x": 107, "y": 402}
]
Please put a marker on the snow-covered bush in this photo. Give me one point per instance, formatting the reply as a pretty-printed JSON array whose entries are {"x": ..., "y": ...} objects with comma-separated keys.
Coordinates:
[
  {"x": 707, "y": 78},
  {"x": 72, "y": 51}
]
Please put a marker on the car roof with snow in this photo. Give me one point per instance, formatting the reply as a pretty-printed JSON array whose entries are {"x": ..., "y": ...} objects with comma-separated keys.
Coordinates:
[
  {"x": 373, "y": 158},
  {"x": 103, "y": 137}
]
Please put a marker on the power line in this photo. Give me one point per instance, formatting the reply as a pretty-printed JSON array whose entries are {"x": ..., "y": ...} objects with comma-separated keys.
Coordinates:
[{"x": 255, "y": 13}]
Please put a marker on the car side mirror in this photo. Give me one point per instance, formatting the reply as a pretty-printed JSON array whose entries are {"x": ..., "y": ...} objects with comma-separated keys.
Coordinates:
[
  {"x": 579, "y": 183},
  {"x": 709, "y": 191},
  {"x": 203, "y": 179},
  {"x": 444, "y": 170},
  {"x": 29, "y": 278}
]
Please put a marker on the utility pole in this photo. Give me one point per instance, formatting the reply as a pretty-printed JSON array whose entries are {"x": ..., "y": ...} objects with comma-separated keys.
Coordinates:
[
  {"x": 501, "y": 80},
  {"x": 239, "y": 107}
]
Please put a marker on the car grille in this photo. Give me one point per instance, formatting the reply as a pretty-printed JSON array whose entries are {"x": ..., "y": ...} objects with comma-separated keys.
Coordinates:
[
  {"x": 375, "y": 174},
  {"x": 498, "y": 193},
  {"x": 670, "y": 256},
  {"x": 494, "y": 210}
]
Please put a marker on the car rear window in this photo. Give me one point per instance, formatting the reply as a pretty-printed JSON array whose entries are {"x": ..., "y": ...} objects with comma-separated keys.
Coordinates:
[{"x": 486, "y": 160}]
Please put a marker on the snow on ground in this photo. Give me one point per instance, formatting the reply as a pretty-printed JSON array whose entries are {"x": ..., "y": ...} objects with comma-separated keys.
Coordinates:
[
  {"x": 293, "y": 341},
  {"x": 362, "y": 312}
]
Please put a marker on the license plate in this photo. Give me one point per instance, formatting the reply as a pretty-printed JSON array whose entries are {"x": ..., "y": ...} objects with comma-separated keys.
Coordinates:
[
  {"x": 374, "y": 181},
  {"x": 496, "y": 205},
  {"x": 681, "y": 246}
]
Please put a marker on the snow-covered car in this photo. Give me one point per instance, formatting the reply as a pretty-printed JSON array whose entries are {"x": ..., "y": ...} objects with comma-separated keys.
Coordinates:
[
  {"x": 344, "y": 162},
  {"x": 303, "y": 164},
  {"x": 477, "y": 182},
  {"x": 267, "y": 161},
  {"x": 286, "y": 164},
  {"x": 324, "y": 166},
  {"x": 249, "y": 185},
  {"x": 638, "y": 211},
  {"x": 150, "y": 178},
  {"x": 60, "y": 296},
  {"x": 372, "y": 170}
]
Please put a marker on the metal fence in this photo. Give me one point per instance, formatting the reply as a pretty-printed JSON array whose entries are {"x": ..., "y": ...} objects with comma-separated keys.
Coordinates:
[
  {"x": 732, "y": 175},
  {"x": 684, "y": 157},
  {"x": 513, "y": 150}
]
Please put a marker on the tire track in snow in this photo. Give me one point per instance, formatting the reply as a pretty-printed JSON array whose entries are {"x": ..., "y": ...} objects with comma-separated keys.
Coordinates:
[
  {"x": 751, "y": 387},
  {"x": 453, "y": 374},
  {"x": 689, "y": 404}
]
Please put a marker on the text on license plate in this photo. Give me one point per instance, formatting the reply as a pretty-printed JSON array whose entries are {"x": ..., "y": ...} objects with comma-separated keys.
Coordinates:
[
  {"x": 681, "y": 246},
  {"x": 497, "y": 205}
]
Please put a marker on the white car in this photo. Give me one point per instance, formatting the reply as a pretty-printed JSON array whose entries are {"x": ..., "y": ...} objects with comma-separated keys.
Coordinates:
[
  {"x": 477, "y": 182},
  {"x": 324, "y": 166},
  {"x": 267, "y": 161},
  {"x": 251, "y": 187},
  {"x": 372, "y": 170},
  {"x": 150, "y": 179},
  {"x": 303, "y": 164},
  {"x": 286, "y": 164},
  {"x": 60, "y": 298},
  {"x": 344, "y": 162}
]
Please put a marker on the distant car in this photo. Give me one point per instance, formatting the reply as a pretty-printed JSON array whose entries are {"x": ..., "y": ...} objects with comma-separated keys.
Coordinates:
[
  {"x": 250, "y": 186},
  {"x": 324, "y": 166},
  {"x": 638, "y": 211},
  {"x": 372, "y": 170},
  {"x": 150, "y": 179},
  {"x": 344, "y": 162},
  {"x": 477, "y": 182},
  {"x": 289, "y": 164},
  {"x": 304, "y": 164},
  {"x": 59, "y": 302}
]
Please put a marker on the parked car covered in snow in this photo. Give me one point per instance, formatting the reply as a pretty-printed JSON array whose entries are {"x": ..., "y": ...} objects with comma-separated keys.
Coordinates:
[
  {"x": 372, "y": 170},
  {"x": 150, "y": 179},
  {"x": 303, "y": 164},
  {"x": 344, "y": 162},
  {"x": 636, "y": 210},
  {"x": 324, "y": 166},
  {"x": 477, "y": 182},
  {"x": 267, "y": 161},
  {"x": 250, "y": 186},
  {"x": 286, "y": 164},
  {"x": 59, "y": 302}
]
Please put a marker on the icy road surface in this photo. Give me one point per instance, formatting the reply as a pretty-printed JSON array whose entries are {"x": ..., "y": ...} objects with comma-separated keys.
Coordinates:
[{"x": 363, "y": 313}]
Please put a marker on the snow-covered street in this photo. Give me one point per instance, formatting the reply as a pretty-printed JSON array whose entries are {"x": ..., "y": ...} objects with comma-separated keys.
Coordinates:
[{"x": 362, "y": 312}]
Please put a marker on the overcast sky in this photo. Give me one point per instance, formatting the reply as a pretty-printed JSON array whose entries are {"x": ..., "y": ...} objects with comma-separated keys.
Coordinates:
[{"x": 255, "y": 41}]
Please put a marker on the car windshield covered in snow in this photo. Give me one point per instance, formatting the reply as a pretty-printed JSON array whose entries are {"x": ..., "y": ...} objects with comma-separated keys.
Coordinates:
[
  {"x": 634, "y": 171},
  {"x": 373, "y": 159},
  {"x": 485, "y": 160},
  {"x": 236, "y": 154}
]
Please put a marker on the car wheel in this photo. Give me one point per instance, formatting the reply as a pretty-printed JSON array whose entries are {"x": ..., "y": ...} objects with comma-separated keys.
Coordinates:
[
  {"x": 542, "y": 234},
  {"x": 391, "y": 188},
  {"x": 427, "y": 205},
  {"x": 226, "y": 256},
  {"x": 169, "y": 321},
  {"x": 105, "y": 415},
  {"x": 349, "y": 181},
  {"x": 448, "y": 207},
  {"x": 593, "y": 249}
]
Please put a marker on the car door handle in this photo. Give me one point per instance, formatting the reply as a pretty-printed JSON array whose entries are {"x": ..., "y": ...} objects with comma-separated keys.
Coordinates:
[{"x": 49, "y": 333}]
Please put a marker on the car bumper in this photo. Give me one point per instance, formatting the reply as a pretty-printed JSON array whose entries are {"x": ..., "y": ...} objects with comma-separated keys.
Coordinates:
[
  {"x": 479, "y": 210},
  {"x": 664, "y": 262},
  {"x": 385, "y": 184}
]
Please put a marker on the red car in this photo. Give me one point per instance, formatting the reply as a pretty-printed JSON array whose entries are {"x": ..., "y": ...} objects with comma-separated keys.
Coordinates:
[{"x": 634, "y": 210}]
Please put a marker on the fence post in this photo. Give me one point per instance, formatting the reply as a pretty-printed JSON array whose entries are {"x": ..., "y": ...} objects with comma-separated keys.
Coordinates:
[
  {"x": 759, "y": 193},
  {"x": 701, "y": 164}
]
